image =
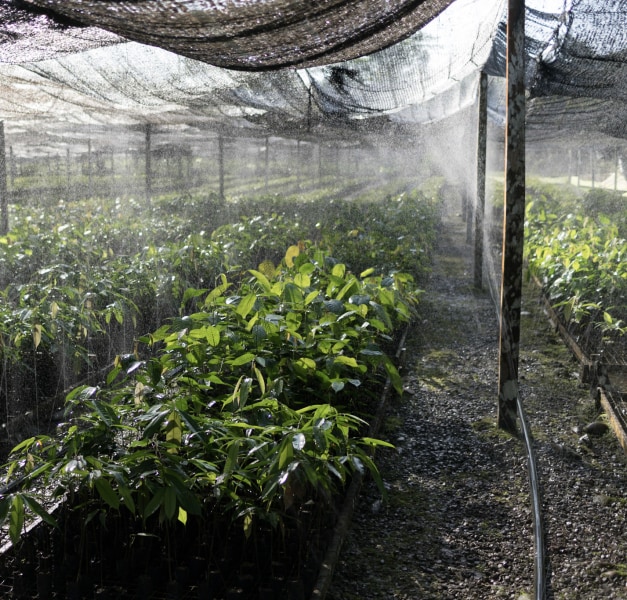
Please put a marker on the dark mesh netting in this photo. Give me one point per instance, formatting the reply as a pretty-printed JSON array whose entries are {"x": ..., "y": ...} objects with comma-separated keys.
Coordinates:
[{"x": 256, "y": 35}]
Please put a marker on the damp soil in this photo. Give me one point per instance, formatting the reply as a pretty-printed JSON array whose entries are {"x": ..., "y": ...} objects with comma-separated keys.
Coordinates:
[{"x": 456, "y": 522}]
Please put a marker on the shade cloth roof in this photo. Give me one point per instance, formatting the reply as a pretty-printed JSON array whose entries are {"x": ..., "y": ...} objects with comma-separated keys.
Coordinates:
[{"x": 297, "y": 68}]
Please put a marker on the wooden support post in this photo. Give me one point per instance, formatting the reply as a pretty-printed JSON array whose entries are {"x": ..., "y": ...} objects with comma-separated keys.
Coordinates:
[
  {"x": 4, "y": 193},
  {"x": 514, "y": 220},
  {"x": 482, "y": 139},
  {"x": 148, "y": 162},
  {"x": 221, "y": 166}
]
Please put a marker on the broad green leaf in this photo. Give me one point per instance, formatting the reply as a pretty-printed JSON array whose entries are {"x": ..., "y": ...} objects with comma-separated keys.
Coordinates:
[
  {"x": 16, "y": 518},
  {"x": 242, "y": 359},
  {"x": 292, "y": 294},
  {"x": 107, "y": 493},
  {"x": 290, "y": 255},
  {"x": 286, "y": 454},
  {"x": 346, "y": 360},
  {"x": 394, "y": 376},
  {"x": 338, "y": 270},
  {"x": 173, "y": 430},
  {"x": 248, "y": 525},
  {"x": 36, "y": 335},
  {"x": 169, "y": 503},
  {"x": 154, "y": 503},
  {"x": 302, "y": 280},
  {"x": 245, "y": 305},
  {"x": 182, "y": 517},
  {"x": 262, "y": 279}
]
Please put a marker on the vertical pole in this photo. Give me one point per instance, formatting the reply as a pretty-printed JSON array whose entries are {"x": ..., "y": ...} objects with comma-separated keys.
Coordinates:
[
  {"x": 12, "y": 166},
  {"x": 319, "y": 163},
  {"x": 4, "y": 200},
  {"x": 514, "y": 220},
  {"x": 298, "y": 164},
  {"x": 148, "y": 162},
  {"x": 482, "y": 139},
  {"x": 67, "y": 173},
  {"x": 592, "y": 157},
  {"x": 221, "y": 165},
  {"x": 615, "y": 168},
  {"x": 578, "y": 167},
  {"x": 267, "y": 161},
  {"x": 90, "y": 190}
]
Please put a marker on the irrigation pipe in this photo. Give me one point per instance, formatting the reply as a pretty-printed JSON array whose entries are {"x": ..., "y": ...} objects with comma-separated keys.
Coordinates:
[
  {"x": 536, "y": 506},
  {"x": 325, "y": 575}
]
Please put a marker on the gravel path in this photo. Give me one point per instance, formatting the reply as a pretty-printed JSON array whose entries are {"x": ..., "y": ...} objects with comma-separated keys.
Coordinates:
[{"x": 457, "y": 521}]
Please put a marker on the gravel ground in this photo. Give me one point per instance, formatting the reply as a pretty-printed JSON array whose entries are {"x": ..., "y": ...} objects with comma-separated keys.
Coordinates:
[{"x": 457, "y": 520}]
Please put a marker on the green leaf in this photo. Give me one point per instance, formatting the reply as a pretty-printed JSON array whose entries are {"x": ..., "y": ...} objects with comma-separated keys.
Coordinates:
[
  {"x": 262, "y": 279},
  {"x": 107, "y": 493},
  {"x": 349, "y": 361},
  {"x": 16, "y": 518},
  {"x": 242, "y": 359},
  {"x": 286, "y": 453},
  {"x": 210, "y": 333},
  {"x": 394, "y": 376},
  {"x": 302, "y": 280},
  {"x": 182, "y": 517},
  {"x": 245, "y": 305},
  {"x": 169, "y": 503},
  {"x": 154, "y": 503}
]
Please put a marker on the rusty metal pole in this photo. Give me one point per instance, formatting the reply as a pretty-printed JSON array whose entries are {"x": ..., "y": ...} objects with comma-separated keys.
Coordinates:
[
  {"x": 482, "y": 139},
  {"x": 4, "y": 199},
  {"x": 514, "y": 220}
]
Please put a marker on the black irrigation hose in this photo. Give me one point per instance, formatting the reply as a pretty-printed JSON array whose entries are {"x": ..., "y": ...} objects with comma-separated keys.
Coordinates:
[{"x": 540, "y": 570}]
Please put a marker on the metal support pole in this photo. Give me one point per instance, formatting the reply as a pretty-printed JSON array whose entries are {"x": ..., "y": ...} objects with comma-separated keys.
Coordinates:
[
  {"x": 298, "y": 182},
  {"x": 615, "y": 168},
  {"x": 267, "y": 161},
  {"x": 90, "y": 188},
  {"x": 148, "y": 162},
  {"x": 4, "y": 196},
  {"x": 482, "y": 139},
  {"x": 68, "y": 180},
  {"x": 221, "y": 166},
  {"x": 514, "y": 220},
  {"x": 12, "y": 166}
]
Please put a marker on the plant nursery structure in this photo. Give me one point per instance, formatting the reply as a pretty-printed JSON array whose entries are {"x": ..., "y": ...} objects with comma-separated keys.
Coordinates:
[
  {"x": 149, "y": 103},
  {"x": 76, "y": 71}
]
